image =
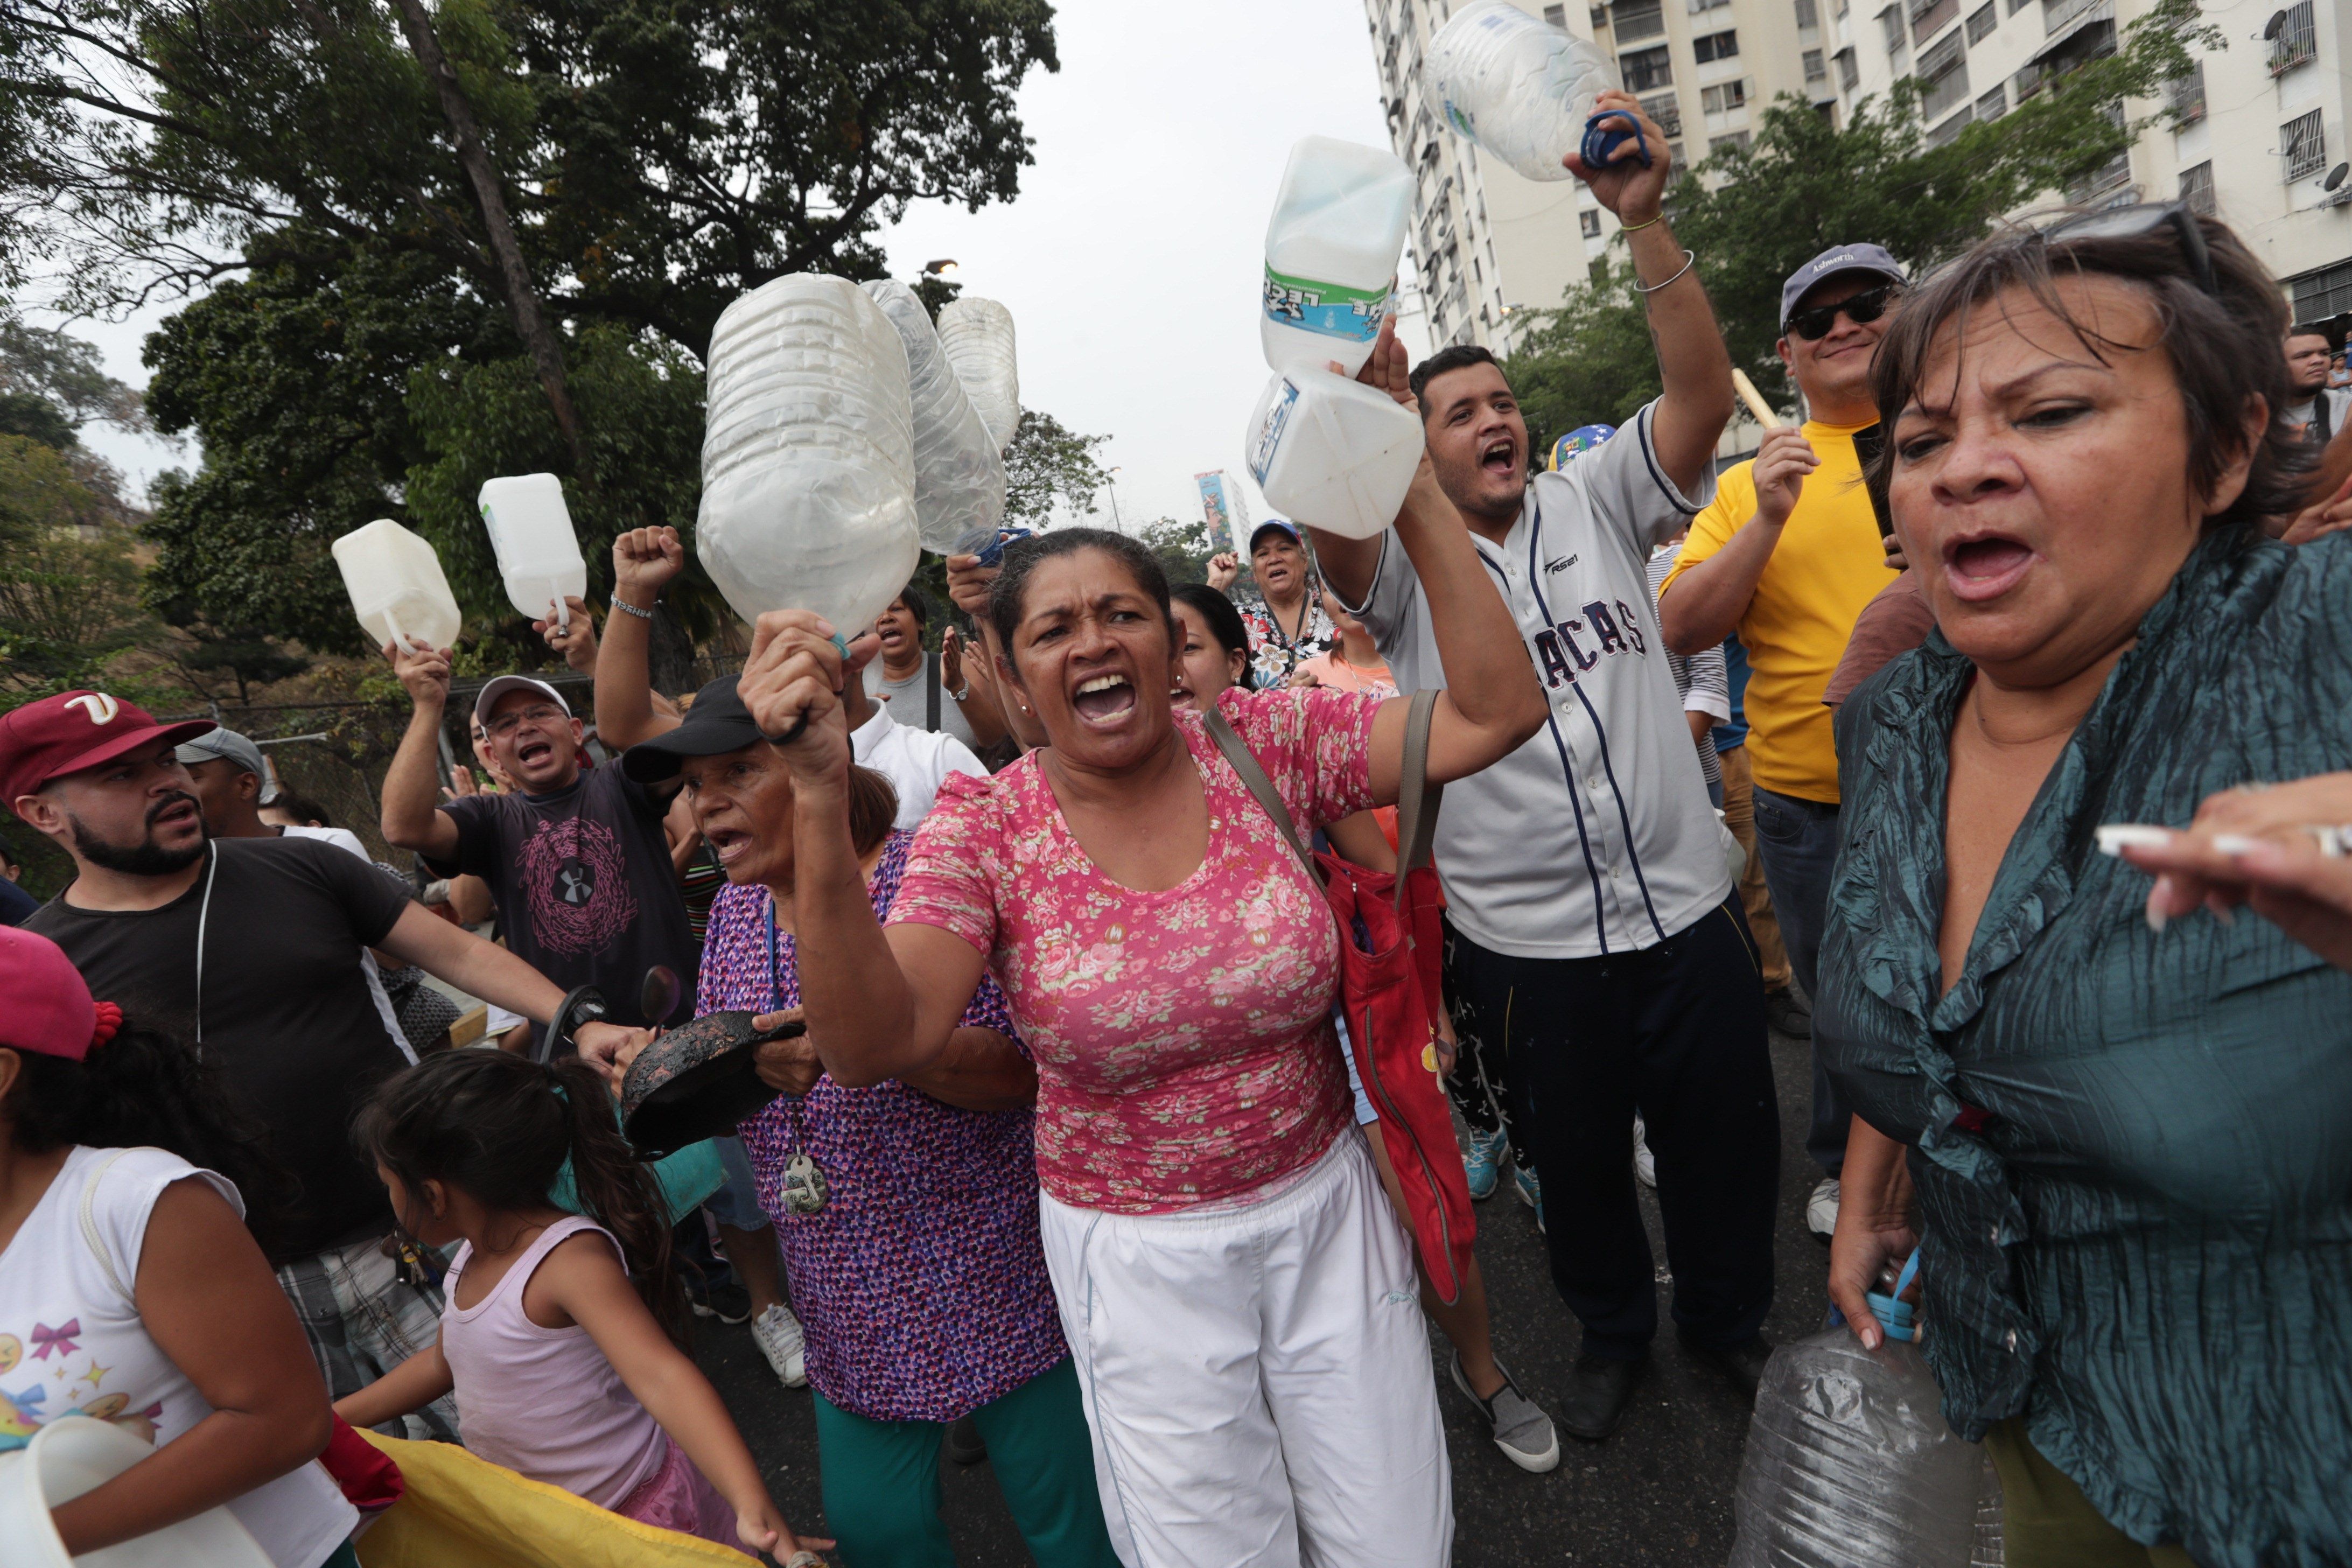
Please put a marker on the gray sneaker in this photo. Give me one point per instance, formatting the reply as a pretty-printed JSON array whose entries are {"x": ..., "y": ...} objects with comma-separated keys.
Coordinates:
[{"x": 1522, "y": 1430}]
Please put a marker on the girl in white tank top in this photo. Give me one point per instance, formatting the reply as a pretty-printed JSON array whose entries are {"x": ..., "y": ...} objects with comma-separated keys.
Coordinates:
[{"x": 556, "y": 1337}]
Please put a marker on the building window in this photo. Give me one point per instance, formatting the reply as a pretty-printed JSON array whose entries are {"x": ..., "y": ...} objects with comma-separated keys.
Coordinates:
[
  {"x": 2197, "y": 188},
  {"x": 1942, "y": 135},
  {"x": 1645, "y": 70},
  {"x": 2297, "y": 42},
  {"x": 1717, "y": 143},
  {"x": 1929, "y": 19},
  {"x": 1890, "y": 25},
  {"x": 1807, "y": 15},
  {"x": 1715, "y": 47},
  {"x": 1590, "y": 222},
  {"x": 1944, "y": 72},
  {"x": 1849, "y": 71},
  {"x": 1982, "y": 20},
  {"x": 2017, "y": 6},
  {"x": 1556, "y": 15},
  {"x": 1698, "y": 6},
  {"x": 1994, "y": 104},
  {"x": 1724, "y": 97},
  {"x": 1675, "y": 151},
  {"x": 2303, "y": 144},
  {"x": 1599, "y": 19},
  {"x": 1643, "y": 20},
  {"x": 2321, "y": 294},
  {"x": 2114, "y": 171},
  {"x": 1666, "y": 109},
  {"x": 2188, "y": 95},
  {"x": 1815, "y": 69}
]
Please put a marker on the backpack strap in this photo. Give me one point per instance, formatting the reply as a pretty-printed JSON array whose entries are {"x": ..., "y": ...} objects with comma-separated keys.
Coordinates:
[
  {"x": 1253, "y": 779},
  {"x": 931, "y": 692},
  {"x": 90, "y": 1235}
]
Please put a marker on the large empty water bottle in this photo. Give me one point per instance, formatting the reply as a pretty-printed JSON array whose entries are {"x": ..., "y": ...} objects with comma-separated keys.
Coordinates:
[
  {"x": 959, "y": 472},
  {"x": 1332, "y": 452},
  {"x": 1514, "y": 84},
  {"x": 1850, "y": 1460},
  {"x": 977, "y": 335},
  {"x": 397, "y": 586},
  {"x": 808, "y": 463},
  {"x": 539, "y": 553},
  {"x": 1331, "y": 251}
]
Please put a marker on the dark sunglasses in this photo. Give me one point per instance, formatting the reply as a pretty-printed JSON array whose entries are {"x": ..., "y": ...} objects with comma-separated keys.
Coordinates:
[
  {"x": 2128, "y": 223},
  {"x": 1814, "y": 323}
]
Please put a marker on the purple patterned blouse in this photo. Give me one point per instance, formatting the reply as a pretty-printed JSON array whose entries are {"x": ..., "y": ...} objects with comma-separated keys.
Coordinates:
[{"x": 921, "y": 1282}]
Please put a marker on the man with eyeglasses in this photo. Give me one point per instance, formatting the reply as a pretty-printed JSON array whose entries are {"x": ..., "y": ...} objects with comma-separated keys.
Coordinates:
[
  {"x": 575, "y": 859},
  {"x": 1786, "y": 558}
]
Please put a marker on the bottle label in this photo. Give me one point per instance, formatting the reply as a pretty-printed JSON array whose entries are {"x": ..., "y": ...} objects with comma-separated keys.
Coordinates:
[
  {"x": 1335, "y": 312},
  {"x": 1269, "y": 434}
]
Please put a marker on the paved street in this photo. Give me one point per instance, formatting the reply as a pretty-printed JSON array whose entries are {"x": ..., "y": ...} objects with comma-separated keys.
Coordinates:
[{"x": 1659, "y": 1492}]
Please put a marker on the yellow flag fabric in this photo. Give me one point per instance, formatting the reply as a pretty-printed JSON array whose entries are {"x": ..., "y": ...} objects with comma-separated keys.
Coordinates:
[{"x": 460, "y": 1510}]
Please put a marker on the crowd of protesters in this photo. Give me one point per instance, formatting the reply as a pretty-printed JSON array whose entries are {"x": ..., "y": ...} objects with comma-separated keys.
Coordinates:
[{"x": 1068, "y": 1160}]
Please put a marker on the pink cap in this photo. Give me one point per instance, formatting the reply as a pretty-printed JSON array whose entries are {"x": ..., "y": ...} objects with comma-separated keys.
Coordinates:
[{"x": 45, "y": 1006}]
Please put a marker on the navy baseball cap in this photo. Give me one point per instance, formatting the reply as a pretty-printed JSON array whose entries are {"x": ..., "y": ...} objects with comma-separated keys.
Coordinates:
[
  {"x": 1289, "y": 528},
  {"x": 1837, "y": 259}
]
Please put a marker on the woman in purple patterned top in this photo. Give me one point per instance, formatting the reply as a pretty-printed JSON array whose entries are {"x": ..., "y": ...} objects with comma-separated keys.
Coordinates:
[{"x": 918, "y": 1276}]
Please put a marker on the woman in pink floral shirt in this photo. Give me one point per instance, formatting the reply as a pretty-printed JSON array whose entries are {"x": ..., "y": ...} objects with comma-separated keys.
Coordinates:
[{"x": 1237, "y": 1295}]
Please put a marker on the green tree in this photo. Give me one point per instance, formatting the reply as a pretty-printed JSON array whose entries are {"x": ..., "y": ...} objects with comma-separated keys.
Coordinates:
[
  {"x": 655, "y": 161},
  {"x": 1048, "y": 463},
  {"x": 69, "y": 587},
  {"x": 1184, "y": 548},
  {"x": 1753, "y": 214}
]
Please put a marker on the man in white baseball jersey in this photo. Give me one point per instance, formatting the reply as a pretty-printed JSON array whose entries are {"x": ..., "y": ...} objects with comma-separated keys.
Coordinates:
[{"x": 1593, "y": 931}]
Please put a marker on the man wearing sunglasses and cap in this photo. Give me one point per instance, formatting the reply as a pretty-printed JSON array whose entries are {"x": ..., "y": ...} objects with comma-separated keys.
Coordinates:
[{"x": 1786, "y": 559}]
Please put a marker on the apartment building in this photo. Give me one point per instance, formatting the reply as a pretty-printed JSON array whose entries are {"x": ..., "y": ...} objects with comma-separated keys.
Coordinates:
[
  {"x": 2262, "y": 142},
  {"x": 1488, "y": 244}
]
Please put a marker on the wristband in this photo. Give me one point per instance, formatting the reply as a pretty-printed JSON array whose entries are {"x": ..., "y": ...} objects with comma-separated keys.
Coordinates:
[{"x": 628, "y": 608}]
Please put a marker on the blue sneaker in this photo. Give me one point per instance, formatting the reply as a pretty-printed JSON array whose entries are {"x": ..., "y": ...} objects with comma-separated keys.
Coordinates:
[
  {"x": 1530, "y": 1191},
  {"x": 1482, "y": 1162}
]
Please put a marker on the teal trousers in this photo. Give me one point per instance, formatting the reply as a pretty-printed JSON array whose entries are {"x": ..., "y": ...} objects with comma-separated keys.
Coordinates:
[{"x": 880, "y": 1479}]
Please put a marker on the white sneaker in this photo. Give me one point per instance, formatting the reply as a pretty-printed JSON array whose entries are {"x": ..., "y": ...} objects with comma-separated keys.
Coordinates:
[
  {"x": 1645, "y": 1164},
  {"x": 784, "y": 1344},
  {"x": 1821, "y": 1209}
]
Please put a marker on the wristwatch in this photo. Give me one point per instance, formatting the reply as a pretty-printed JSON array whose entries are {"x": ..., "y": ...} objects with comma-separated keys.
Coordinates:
[{"x": 961, "y": 693}]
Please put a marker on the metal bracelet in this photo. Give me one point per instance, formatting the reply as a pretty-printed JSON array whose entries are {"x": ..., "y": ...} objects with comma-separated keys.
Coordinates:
[
  {"x": 628, "y": 608},
  {"x": 1690, "y": 259},
  {"x": 2335, "y": 841}
]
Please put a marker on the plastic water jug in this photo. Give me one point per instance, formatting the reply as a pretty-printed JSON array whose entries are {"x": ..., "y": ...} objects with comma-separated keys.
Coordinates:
[
  {"x": 539, "y": 555},
  {"x": 1850, "y": 1460},
  {"x": 68, "y": 1458},
  {"x": 808, "y": 462},
  {"x": 1514, "y": 84},
  {"x": 397, "y": 586},
  {"x": 1331, "y": 252},
  {"x": 1333, "y": 453},
  {"x": 959, "y": 472},
  {"x": 977, "y": 335}
]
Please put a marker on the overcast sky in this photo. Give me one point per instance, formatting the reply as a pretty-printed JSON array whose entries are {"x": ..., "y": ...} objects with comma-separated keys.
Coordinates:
[{"x": 1132, "y": 258}]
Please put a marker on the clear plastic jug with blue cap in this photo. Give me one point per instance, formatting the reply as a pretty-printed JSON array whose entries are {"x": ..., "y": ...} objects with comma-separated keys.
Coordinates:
[{"x": 1849, "y": 1459}]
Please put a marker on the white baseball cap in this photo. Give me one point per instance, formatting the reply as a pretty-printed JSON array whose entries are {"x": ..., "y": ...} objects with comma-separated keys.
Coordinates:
[{"x": 500, "y": 685}]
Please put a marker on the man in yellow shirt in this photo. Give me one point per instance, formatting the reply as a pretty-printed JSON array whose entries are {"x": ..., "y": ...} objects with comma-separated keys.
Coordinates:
[{"x": 1786, "y": 557}]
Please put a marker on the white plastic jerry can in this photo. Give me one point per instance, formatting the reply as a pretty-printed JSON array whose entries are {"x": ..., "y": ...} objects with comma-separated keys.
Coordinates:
[
  {"x": 74, "y": 1454},
  {"x": 397, "y": 588},
  {"x": 539, "y": 553},
  {"x": 1333, "y": 453},
  {"x": 1331, "y": 251}
]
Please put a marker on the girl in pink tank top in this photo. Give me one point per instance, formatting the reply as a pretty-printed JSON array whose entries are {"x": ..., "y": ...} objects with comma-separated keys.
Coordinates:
[{"x": 558, "y": 1332}]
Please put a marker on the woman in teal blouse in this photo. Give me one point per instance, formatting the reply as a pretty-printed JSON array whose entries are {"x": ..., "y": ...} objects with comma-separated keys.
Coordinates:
[{"x": 2123, "y": 1141}]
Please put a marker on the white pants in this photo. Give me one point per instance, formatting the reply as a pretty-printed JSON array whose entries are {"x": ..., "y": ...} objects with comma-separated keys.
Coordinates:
[{"x": 1258, "y": 1382}]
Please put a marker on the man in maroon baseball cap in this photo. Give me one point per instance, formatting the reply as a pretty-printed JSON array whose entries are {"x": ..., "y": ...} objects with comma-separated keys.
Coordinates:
[
  {"x": 249, "y": 949},
  {"x": 146, "y": 821}
]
